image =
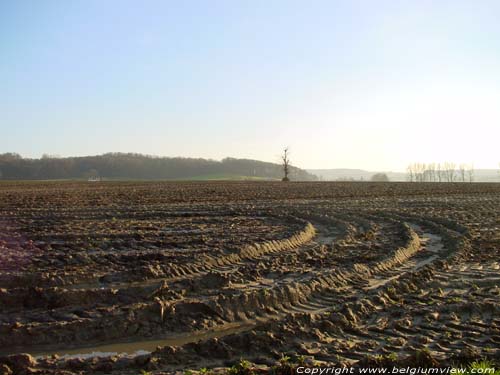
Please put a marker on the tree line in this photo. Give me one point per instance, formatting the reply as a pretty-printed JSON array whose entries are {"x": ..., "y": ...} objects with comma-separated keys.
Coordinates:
[
  {"x": 137, "y": 166},
  {"x": 440, "y": 172}
]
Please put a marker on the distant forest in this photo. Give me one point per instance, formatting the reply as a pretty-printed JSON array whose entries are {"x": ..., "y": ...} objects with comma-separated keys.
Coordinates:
[{"x": 137, "y": 166}]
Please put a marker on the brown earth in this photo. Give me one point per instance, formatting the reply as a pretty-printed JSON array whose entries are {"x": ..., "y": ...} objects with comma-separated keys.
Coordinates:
[{"x": 169, "y": 276}]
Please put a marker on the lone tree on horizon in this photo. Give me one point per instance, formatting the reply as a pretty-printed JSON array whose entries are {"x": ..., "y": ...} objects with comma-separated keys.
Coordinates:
[{"x": 285, "y": 162}]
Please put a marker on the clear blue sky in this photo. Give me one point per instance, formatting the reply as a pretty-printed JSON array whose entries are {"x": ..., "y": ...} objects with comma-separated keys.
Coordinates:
[{"x": 356, "y": 84}]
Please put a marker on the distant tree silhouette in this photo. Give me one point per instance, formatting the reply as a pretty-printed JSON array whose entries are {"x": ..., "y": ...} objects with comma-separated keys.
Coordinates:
[
  {"x": 446, "y": 172},
  {"x": 462, "y": 170},
  {"x": 380, "y": 177},
  {"x": 470, "y": 173},
  {"x": 285, "y": 162}
]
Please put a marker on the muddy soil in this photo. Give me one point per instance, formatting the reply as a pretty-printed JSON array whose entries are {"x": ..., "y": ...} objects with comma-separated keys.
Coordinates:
[{"x": 167, "y": 277}]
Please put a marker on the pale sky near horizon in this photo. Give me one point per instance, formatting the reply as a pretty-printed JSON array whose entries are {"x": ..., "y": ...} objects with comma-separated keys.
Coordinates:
[{"x": 374, "y": 84}]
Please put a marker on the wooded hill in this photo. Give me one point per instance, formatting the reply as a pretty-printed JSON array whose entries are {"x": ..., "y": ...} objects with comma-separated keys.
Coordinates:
[{"x": 137, "y": 166}]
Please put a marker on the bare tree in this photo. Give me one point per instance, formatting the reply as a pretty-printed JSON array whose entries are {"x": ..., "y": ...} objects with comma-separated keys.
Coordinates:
[
  {"x": 410, "y": 173},
  {"x": 462, "y": 168},
  {"x": 420, "y": 172},
  {"x": 439, "y": 172},
  {"x": 428, "y": 171},
  {"x": 431, "y": 172},
  {"x": 452, "y": 171},
  {"x": 445, "y": 172},
  {"x": 449, "y": 169},
  {"x": 417, "y": 172},
  {"x": 285, "y": 162},
  {"x": 470, "y": 173}
]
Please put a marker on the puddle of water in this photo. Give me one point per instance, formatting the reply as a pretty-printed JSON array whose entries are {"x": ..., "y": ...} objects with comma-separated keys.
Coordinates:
[
  {"x": 99, "y": 355},
  {"x": 325, "y": 240},
  {"x": 325, "y": 235},
  {"x": 147, "y": 346}
]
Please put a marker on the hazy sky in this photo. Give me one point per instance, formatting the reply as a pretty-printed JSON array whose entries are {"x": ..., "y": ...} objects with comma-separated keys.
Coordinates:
[{"x": 346, "y": 84}]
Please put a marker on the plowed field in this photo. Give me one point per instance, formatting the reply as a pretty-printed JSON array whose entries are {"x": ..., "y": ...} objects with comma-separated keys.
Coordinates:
[{"x": 122, "y": 277}]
